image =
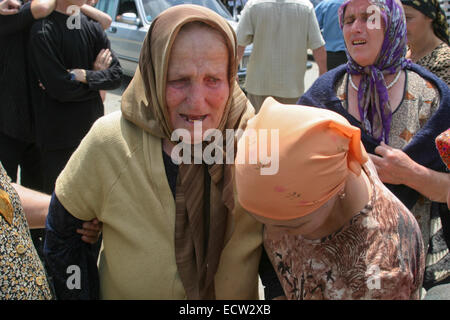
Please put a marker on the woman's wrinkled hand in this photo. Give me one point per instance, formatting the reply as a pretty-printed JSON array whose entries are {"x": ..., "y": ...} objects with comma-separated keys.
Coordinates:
[
  {"x": 103, "y": 60},
  {"x": 91, "y": 230},
  {"x": 393, "y": 165},
  {"x": 9, "y": 7}
]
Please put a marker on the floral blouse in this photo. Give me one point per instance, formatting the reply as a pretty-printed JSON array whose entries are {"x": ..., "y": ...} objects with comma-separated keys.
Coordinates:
[
  {"x": 22, "y": 276},
  {"x": 438, "y": 62},
  {"x": 378, "y": 254}
]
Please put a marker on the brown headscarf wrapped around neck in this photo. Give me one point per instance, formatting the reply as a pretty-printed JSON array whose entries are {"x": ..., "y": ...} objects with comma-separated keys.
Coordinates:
[{"x": 199, "y": 237}]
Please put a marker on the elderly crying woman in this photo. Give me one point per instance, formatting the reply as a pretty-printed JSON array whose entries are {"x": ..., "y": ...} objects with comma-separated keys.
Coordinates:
[{"x": 169, "y": 231}]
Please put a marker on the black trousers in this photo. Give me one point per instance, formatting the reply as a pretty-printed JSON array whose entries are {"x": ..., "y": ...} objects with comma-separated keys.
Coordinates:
[
  {"x": 335, "y": 59},
  {"x": 53, "y": 162},
  {"x": 15, "y": 153}
]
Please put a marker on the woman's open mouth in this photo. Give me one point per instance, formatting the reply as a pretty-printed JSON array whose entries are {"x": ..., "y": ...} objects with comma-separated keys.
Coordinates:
[
  {"x": 358, "y": 42},
  {"x": 192, "y": 118}
]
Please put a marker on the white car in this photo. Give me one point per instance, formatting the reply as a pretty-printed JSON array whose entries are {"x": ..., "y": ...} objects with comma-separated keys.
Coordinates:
[{"x": 131, "y": 20}]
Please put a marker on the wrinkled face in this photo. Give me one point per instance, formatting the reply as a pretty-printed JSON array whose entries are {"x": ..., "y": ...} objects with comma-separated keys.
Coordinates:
[
  {"x": 363, "y": 29},
  {"x": 197, "y": 87},
  {"x": 417, "y": 25}
]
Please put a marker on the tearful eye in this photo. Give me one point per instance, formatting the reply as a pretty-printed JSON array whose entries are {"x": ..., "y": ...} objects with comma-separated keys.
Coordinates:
[
  {"x": 348, "y": 20},
  {"x": 212, "y": 81},
  {"x": 177, "y": 83}
]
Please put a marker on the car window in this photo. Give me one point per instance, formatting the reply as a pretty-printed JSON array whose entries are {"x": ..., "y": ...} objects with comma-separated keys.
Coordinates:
[
  {"x": 107, "y": 6},
  {"x": 127, "y": 6},
  {"x": 154, "y": 7}
]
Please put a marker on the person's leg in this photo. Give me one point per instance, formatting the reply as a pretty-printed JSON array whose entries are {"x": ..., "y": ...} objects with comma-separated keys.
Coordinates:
[
  {"x": 30, "y": 168},
  {"x": 256, "y": 101},
  {"x": 287, "y": 100},
  {"x": 10, "y": 154},
  {"x": 53, "y": 162}
]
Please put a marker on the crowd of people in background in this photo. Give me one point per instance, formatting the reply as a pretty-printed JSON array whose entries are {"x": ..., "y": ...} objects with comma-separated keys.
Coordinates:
[{"x": 359, "y": 208}]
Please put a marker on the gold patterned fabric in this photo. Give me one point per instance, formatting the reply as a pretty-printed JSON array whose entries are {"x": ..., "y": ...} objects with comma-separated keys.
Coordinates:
[
  {"x": 438, "y": 62},
  {"x": 420, "y": 101},
  {"x": 22, "y": 276},
  {"x": 433, "y": 10}
]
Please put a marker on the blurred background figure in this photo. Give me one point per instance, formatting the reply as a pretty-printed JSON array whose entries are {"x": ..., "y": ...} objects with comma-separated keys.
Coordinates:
[
  {"x": 443, "y": 145},
  {"x": 17, "y": 136},
  {"x": 401, "y": 108},
  {"x": 281, "y": 33},
  {"x": 428, "y": 36},
  {"x": 68, "y": 101},
  {"x": 327, "y": 16}
]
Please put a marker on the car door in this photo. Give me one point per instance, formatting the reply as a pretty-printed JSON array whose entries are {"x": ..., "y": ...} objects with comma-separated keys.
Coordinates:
[{"x": 126, "y": 36}]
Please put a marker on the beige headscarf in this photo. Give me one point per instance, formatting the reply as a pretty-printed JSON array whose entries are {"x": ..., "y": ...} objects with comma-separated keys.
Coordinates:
[
  {"x": 197, "y": 247},
  {"x": 316, "y": 150}
]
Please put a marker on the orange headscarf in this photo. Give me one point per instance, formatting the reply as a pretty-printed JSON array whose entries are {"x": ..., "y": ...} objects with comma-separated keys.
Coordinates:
[{"x": 316, "y": 150}]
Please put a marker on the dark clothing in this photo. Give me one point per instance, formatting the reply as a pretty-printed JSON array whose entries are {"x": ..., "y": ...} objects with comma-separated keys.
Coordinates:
[
  {"x": 61, "y": 229},
  {"x": 17, "y": 139},
  {"x": 15, "y": 110},
  {"x": 66, "y": 109},
  {"x": 171, "y": 172},
  {"x": 16, "y": 115},
  {"x": 269, "y": 278},
  {"x": 421, "y": 149},
  {"x": 15, "y": 152},
  {"x": 53, "y": 162},
  {"x": 335, "y": 59}
]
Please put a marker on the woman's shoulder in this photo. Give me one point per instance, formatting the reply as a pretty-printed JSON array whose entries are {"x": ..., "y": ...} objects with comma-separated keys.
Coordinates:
[
  {"x": 113, "y": 129},
  {"x": 440, "y": 55},
  {"x": 420, "y": 87}
]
